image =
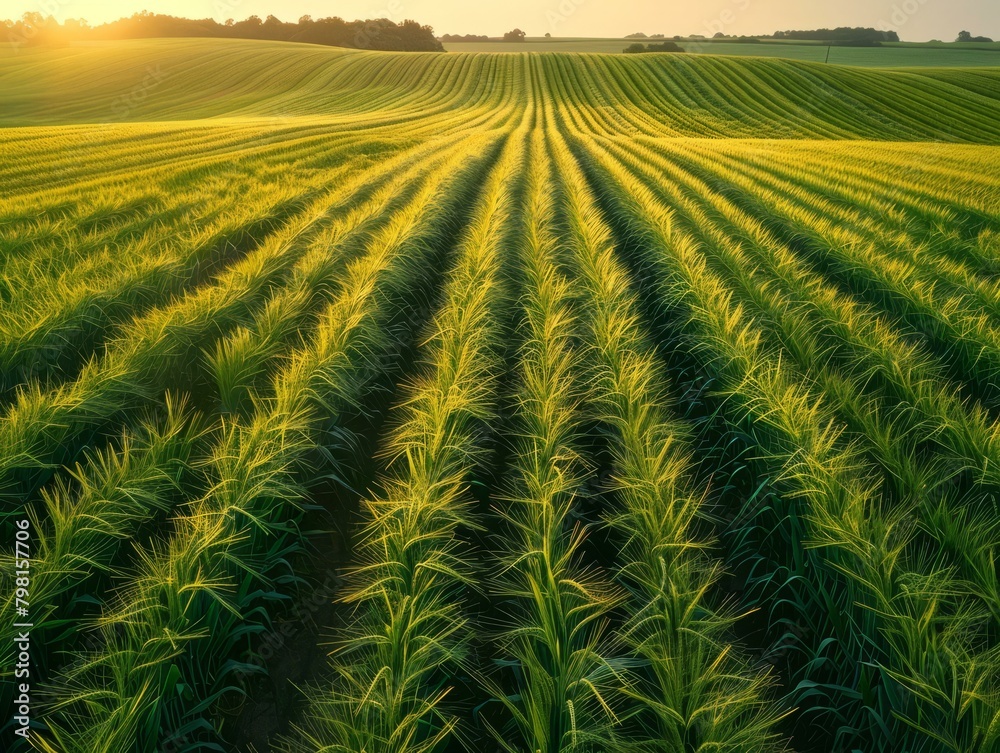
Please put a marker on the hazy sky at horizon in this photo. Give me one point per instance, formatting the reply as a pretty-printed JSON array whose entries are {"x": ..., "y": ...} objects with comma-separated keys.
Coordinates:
[{"x": 915, "y": 20}]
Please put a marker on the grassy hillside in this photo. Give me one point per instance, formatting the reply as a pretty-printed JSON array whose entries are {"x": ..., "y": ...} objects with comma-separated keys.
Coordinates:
[
  {"x": 580, "y": 403},
  {"x": 654, "y": 95}
]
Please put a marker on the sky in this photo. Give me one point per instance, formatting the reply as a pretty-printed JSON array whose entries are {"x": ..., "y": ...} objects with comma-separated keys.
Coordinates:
[{"x": 913, "y": 20}]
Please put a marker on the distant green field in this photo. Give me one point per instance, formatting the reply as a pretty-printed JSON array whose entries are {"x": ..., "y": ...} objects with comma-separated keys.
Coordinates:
[
  {"x": 148, "y": 80},
  {"x": 890, "y": 55}
]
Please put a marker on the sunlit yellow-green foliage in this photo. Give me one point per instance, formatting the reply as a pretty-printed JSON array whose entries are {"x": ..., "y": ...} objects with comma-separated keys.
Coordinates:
[{"x": 659, "y": 396}]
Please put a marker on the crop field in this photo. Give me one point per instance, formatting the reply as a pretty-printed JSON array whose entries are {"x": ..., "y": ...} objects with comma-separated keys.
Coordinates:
[{"x": 539, "y": 403}]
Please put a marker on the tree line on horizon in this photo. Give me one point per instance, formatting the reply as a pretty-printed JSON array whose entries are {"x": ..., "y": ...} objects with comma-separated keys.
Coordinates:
[
  {"x": 372, "y": 34},
  {"x": 842, "y": 35},
  {"x": 666, "y": 46}
]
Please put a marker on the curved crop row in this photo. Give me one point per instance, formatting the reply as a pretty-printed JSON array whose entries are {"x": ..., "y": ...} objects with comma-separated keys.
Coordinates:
[
  {"x": 929, "y": 678},
  {"x": 696, "y": 690},
  {"x": 193, "y": 594},
  {"x": 554, "y": 637},
  {"x": 388, "y": 692}
]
